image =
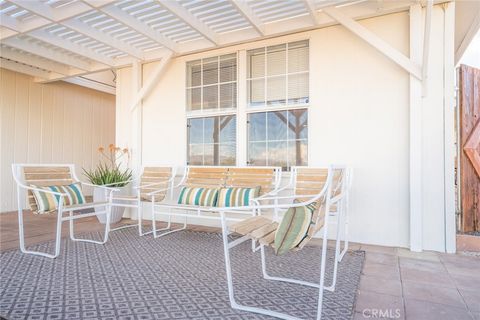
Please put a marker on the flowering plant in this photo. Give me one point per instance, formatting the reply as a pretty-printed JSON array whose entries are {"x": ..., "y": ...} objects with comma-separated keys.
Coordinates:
[{"x": 109, "y": 172}]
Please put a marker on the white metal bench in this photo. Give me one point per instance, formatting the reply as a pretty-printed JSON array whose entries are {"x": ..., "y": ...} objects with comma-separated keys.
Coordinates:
[
  {"x": 27, "y": 176},
  {"x": 268, "y": 178}
]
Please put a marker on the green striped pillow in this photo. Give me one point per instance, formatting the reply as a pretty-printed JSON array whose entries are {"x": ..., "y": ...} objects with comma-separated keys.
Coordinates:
[
  {"x": 292, "y": 229},
  {"x": 206, "y": 197},
  {"x": 47, "y": 202},
  {"x": 236, "y": 197}
]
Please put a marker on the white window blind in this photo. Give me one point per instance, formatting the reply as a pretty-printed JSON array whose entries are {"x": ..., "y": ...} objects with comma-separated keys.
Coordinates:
[
  {"x": 212, "y": 83},
  {"x": 278, "y": 75}
]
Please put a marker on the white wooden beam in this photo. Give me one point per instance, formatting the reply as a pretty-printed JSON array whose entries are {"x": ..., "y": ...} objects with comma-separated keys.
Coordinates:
[
  {"x": 183, "y": 14},
  {"x": 48, "y": 17},
  {"x": 104, "y": 38},
  {"x": 128, "y": 20},
  {"x": 97, "y": 4},
  {"x": 53, "y": 78},
  {"x": 247, "y": 13},
  {"x": 22, "y": 68},
  {"x": 84, "y": 82},
  {"x": 6, "y": 32},
  {"x": 415, "y": 161},
  {"x": 47, "y": 53},
  {"x": 427, "y": 35},
  {"x": 151, "y": 83},
  {"x": 375, "y": 41},
  {"x": 449, "y": 131},
  {"x": 472, "y": 31},
  {"x": 33, "y": 60},
  {"x": 310, "y": 5},
  {"x": 37, "y": 22},
  {"x": 59, "y": 16},
  {"x": 46, "y": 37}
]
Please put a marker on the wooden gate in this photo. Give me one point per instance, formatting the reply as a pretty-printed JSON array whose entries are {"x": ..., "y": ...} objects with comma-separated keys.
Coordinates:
[{"x": 470, "y": 148}]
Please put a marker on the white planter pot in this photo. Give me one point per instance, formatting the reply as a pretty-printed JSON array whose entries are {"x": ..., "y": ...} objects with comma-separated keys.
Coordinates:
[{"x": 99, "y": 195}]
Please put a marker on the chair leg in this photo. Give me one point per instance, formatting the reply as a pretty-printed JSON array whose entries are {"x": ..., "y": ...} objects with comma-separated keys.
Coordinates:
[
  {"x": 140, "y": 217},
  {"x": 323, "y": 267},
  {"x": 21, "y": 233},
  {"x": 168, "y": 227},
  {"x": 231, "y": 293},
  {"x": 107, "y": 228},
  {"x": 337, "y": 254},
  {"x": 345, "y": 239}
]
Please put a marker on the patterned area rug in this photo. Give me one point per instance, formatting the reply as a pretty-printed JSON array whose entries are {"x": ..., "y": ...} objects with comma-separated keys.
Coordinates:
[{"x": 180, "y": 276}]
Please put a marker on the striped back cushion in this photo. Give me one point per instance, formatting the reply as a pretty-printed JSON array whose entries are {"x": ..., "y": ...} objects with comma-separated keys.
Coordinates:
[
  {"x": 198, "y": 196},
  {"x": 236, "y": 197},
  {"x": 316, "y": 223},
  {"x": 292, "y": 229},
  {"x": 47, "y": 202}
]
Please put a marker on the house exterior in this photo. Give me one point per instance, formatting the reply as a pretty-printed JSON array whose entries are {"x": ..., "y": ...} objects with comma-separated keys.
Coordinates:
[
  {"x": 370, "y": 88},
  {"x": 363, "y": 110}
]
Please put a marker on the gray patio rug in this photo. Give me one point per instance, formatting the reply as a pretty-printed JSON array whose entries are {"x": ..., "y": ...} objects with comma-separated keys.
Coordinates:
[{"x": 180, "y": 276}]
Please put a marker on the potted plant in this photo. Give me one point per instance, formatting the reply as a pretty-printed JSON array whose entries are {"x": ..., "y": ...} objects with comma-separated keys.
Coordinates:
[{"x": 110, "y": 173}]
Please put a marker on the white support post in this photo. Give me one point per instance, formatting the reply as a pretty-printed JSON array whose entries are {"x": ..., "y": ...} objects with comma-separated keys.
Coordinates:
[
  {"x": 137, "y": 75},
  {"x": 449, "y": 131},
  {"x": 416, "y": 205},
  {"x": 241, "y": 107},
  {"x": 151, "y": 83},
  {"x": 393, "y": 54},
  {"x": 427, "y": 35}
]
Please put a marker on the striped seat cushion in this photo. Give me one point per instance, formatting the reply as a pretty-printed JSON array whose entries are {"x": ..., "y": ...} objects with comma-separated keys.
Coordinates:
[
  {"x": 236, "y": 197},
  {"x": 206, "y": 197},
  {"x": 293, "y": 228},
  {"x": 47, "y": 202}
]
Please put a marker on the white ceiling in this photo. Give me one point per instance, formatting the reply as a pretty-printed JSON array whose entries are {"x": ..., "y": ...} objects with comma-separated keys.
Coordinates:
[{"x": 64, "y": 39}]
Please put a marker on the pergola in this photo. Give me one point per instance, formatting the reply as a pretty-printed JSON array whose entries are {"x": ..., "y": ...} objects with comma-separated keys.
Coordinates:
[{"x": 60, "y": 39}]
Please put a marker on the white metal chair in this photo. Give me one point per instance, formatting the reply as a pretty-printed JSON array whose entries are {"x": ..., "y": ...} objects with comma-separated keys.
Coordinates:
[
  {"x": 153, "y": 185},
  {"x": 310, "y": 180},
  {"x": 27, "y": 176},
  {"x": 262, "y": 229}
]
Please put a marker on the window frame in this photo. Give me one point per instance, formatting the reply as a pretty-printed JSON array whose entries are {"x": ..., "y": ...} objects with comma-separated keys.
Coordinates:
[
  {"x": 243, "y": 109},
  {"x": 217, "y": 111},
  {"x": 265, "y": 106},
  {"x": 208, "y": 113},
  {"x": 285, "y": 108}
]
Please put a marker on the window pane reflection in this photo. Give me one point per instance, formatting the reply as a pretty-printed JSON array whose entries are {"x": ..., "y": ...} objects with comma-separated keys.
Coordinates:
[
  {"x": 278, "y": 138},
  {"x": 212, "y": 140}
]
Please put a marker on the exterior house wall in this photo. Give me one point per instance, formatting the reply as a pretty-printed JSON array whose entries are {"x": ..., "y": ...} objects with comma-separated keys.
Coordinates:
[
  {"x": 50, "y": 123},
  {"x": 358, "y": 115}
]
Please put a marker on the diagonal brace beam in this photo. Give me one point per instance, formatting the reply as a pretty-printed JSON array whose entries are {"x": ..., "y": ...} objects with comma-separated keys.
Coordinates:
[
  {"x": 376, "y": 42},
  {"x": 150, "y": 84}
]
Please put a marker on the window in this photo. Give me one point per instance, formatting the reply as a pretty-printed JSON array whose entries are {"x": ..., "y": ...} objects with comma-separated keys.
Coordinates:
[
  {"x": 212, "y": 140},
  {"x": 212, "y": 83},
  {"x": 278, "y": 75},
  {"x": 278, "y": 138}
]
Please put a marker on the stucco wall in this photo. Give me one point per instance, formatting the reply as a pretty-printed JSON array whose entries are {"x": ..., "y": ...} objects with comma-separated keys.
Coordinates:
[{"x": 359, "y": 115}]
